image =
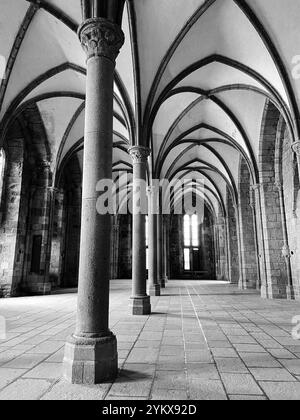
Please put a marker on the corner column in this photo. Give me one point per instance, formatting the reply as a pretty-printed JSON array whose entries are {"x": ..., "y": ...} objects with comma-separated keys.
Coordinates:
[
  {"x": 140, "y": 301},
  {"x": 91, "y": 352}
]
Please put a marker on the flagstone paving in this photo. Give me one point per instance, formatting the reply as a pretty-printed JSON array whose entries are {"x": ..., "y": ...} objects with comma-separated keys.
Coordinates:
[{"x": 204, "y": 341}]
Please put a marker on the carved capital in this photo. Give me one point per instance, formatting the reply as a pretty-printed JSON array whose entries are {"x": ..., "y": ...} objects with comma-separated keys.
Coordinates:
[
  {"x": 150, "y": 191},
  {"x": 286, "y": 252},
  {"x": 44, "y": 166},
  {"x": 252, "y": 199},
  {"x": 278, "y": 184},
  {"x": 100, "y": 37},
  {"x": 139, "y": 154},
  {"x": 296, "y": 148},
  {"x": 256, "y": 187}
]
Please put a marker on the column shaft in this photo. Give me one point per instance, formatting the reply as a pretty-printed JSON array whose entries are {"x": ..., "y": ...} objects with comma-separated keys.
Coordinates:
[
  {"x": 166, "y": 251},
  {"x": 93, "y": 292},
  {"x": 140, "y": 300},
  {"x": 286, "y": 248},
  {"x": 91, "y": 353},
  {"x": 154, "y": 286},
  {"x": 296, "y": 149},
  {"x": 160, "y": 256}
]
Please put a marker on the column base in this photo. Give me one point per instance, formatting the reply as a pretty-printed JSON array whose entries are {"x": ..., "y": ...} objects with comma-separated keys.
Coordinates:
[
  {"x": 240, "y": 283},
  {"x": 297, "y": 292},
  {"x": 162, "y": 283},
  {"x": 234, "y": 282},
  {"x": 141, "y": 305},
  {"x": 264, "y": 291},
  {"x": 154, "y": 290},
  {"x": 250, "y": 285},
  {"x": 90, "y": 361},
  {"x": 166, "y": 279},
  {"x": 274, "y": 292},
  {"x": 290, "y": 293},
  {"x": 38, "y": 289}
]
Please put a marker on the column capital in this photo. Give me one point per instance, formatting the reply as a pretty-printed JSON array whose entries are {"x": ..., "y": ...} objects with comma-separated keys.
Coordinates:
[
  {"x": 101, "y": 38},
  {"x": 45, "y": 164},
  {"x": 296, "y": 147},
  {"x": 139, "y": 154},
  {"x": 255, "y": 187},
  {"x": 286, "y": 252},
  {"x": 150, "y": 190},
  {"x": 53, "y": 190},
  {"x": 278, "y": 184}
]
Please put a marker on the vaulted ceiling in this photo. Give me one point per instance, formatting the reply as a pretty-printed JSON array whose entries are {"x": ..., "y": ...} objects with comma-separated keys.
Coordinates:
[{"x": 191, "y": 81}]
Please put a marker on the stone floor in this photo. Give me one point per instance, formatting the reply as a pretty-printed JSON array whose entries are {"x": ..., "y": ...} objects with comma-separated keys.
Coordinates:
[{"x": 204, "y": 341}]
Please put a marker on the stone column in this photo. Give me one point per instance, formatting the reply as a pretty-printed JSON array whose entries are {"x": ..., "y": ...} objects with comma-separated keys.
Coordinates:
[
  {"x": 222, "y": 267},
  {"x": 247, "y": 231},
  {"x": 261, "y": 252},
  {"x": 165, "y": 249},
  {"x": 276, "y": 273},
  {"x": 296, "y": 149},
  {"x": 154, "y": 286},
  {"x": 240, "y": 251},
  {"x": 115, "y": 243},
  {"x": 232, "y": 235},
  {"x": 53, "y": 192},
  {"x": 37, "y": 279},
  {"x": 11, "y": 247},
  {"x": 160, "y": 256},
  {"x": 286, "y": 252},
  {"x": 253, "y": 207},
  {"x": 57, "y": 239},
  {"x": 140, "y": 300},
  {"x": 91, "y": 353}
]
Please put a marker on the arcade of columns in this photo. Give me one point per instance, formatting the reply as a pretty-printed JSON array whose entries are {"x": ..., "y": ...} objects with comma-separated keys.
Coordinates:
[{"x": 91, "y": 353}]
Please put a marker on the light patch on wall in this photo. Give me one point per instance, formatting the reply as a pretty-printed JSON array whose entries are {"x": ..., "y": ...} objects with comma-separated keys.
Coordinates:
[
  {"x": 2, "y": 328},
  {"x": 2, "y": 67}
]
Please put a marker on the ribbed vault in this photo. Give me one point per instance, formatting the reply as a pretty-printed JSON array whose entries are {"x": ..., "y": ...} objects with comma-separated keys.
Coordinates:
[{"x": 191, "y": 82}]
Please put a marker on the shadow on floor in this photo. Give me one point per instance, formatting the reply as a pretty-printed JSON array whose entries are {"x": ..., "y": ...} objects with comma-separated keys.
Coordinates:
[{"x": 131, "y": 375}]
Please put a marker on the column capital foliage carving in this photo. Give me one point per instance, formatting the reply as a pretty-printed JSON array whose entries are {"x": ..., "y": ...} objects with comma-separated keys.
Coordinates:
[
  {"x": 139, "y": 154},
  {"x": 296, "y": 147},
  {"x": 101, "y": 38}
]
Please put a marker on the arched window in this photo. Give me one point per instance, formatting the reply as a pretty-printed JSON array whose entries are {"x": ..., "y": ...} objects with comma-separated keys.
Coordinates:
[
  {"x": 2, "y": 167},
  {"x": 191, "y": 240}
]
